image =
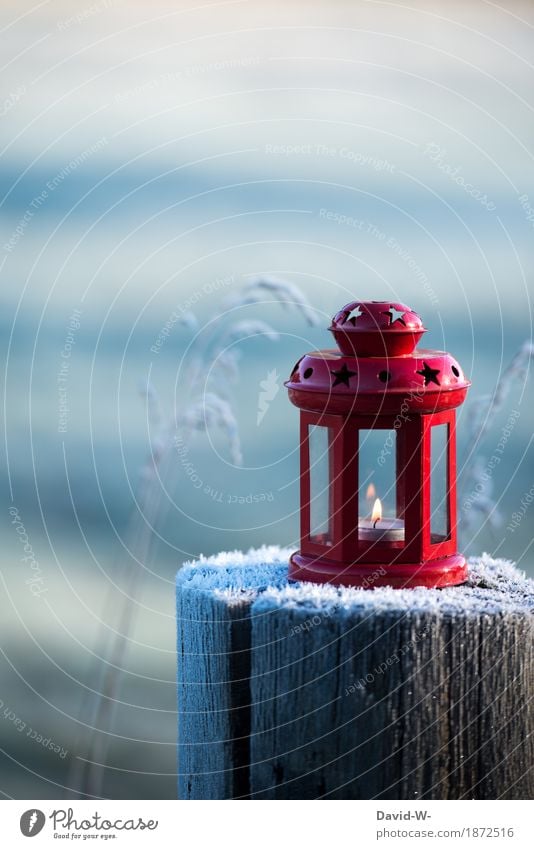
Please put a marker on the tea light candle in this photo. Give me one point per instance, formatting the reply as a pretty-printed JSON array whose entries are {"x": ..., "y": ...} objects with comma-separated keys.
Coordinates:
[{"x": 377, "y": 529}]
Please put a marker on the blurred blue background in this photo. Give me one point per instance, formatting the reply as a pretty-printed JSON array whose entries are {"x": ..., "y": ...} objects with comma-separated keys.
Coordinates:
[{"x": 156, "y": 159}]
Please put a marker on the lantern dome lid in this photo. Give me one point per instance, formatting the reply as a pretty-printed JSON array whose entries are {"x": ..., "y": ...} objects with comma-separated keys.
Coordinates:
[
  {"x": 376, "y": 328},
  {"x": 377, "y": 367}
]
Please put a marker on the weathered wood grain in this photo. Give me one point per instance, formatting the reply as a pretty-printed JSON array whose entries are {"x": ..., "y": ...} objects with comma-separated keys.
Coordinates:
[
  {"x": 315, "y": 692},
  {"x": 213, "y": 630}
]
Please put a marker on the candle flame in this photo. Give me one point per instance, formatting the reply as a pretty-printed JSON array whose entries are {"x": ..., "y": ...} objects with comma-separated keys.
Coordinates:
[
  {"x": 371, "y": 492},
  {"x": 376, "y": 515}
]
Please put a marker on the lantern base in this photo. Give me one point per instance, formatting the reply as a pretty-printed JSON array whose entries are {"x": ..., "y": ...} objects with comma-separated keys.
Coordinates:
[{"x": 441, "y": 572}]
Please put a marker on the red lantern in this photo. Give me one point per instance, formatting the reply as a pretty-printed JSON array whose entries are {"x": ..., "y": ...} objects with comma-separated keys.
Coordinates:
[{"x": 378, "y": 454}]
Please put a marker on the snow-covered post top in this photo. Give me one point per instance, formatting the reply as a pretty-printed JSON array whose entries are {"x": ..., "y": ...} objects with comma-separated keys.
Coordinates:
[{"x": 308, "y": 691}]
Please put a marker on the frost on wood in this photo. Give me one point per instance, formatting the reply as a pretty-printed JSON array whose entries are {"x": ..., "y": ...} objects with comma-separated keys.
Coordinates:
[
  {"x": 308, "y": 691},
  {"x": 493, "y": 584},
  {"x": 231, "y": 573}
]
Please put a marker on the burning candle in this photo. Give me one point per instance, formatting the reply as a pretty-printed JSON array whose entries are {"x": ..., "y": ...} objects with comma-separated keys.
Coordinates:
[{"x": 378, "y": 529}]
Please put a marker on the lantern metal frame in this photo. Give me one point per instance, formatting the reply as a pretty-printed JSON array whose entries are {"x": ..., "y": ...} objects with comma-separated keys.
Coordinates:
[{"x": 346, "y": 559}]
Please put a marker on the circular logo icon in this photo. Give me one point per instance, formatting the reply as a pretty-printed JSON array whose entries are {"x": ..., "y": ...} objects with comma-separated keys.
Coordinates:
[{"x": 32, "y": 822}]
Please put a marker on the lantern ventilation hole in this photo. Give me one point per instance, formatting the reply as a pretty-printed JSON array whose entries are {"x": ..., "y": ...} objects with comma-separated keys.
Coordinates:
[
  {"x": 395, "y": 315},
  {"x": 384, "y": 376},
  {"x": 429, "y": 374},
  {"x": 308, "y": 373},
  {"x": 455, "y": 371},
  {"x": 354, "y": 314},
  {"x": 295, "y": 367}
]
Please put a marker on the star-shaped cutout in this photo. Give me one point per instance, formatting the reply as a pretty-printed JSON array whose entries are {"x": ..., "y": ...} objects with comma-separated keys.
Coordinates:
[
  {"x": 353, "y": 315},
  {"x": 430, "y": 374},
  {"x": 395, "y": 315},
  {"x": 343, "y": 375}
]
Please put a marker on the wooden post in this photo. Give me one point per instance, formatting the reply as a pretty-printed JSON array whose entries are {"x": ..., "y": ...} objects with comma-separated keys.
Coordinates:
[{"x": 303, "y": 691}]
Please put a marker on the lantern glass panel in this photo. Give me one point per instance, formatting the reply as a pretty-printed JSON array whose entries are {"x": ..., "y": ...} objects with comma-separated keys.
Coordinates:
[
  {"x": 319, "y": 440},
  {"x": 378, "y": 456},
  {"x": 440, "y": 526}
]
